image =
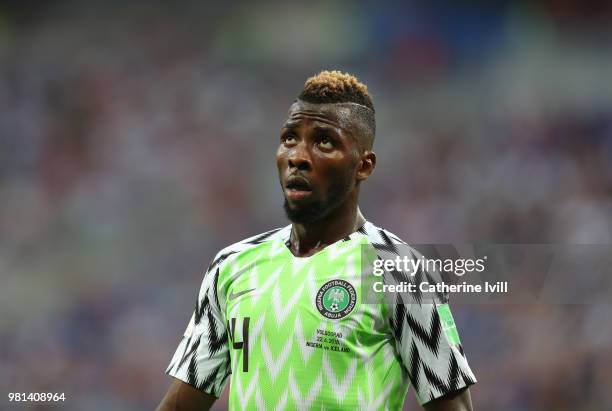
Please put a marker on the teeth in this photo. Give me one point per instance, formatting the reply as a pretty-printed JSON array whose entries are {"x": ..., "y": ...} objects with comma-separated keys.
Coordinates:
[{"x": 298, "y": 185}]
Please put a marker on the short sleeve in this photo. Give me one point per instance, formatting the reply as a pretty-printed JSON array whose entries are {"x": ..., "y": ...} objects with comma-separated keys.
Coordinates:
[
  {"x": 428, "y": 344},
  {"x": 202, "y": 357}
]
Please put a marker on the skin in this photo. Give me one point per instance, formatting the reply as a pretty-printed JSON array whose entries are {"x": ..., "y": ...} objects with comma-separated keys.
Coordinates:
[
  {"x": 325, "y": 146},
  {"x": 320, "y": 143},
  {"x": 459, "y": 400},
  {"x": 183, "y": 397}
]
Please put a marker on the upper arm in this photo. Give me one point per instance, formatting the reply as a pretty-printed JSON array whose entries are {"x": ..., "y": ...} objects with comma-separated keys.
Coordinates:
[
  {"x": 427, "y": 342},
  {"x": 432, "y": 356},
  {"x": 202, "y": 359},
  {"x": 183, "y": 397}
]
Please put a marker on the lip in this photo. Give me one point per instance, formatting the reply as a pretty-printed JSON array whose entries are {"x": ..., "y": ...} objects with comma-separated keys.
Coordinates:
[
  {"x": 296, "y": 195},
  {"x": 301, "y": 188},
  {"x": 302, "y": 183}
]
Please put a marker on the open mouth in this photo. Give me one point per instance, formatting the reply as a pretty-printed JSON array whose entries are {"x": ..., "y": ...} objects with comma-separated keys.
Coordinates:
[
  {"x": 297, "y": 188},
  {"x": 298, "y": 184}
]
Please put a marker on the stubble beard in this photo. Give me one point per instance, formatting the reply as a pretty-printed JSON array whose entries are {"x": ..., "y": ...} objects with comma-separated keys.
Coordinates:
[{"x": 319, "y": 209}]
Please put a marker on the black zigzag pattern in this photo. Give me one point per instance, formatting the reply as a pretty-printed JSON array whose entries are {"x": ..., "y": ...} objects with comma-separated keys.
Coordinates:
[
  {"x": 453, "y": 373},
  {"x": 171, "y": 366},
  {"x": 215, "y": 293},
  {"x": 228, "y": 361},
  {"x": 467, "y": 380},
  {"x": 261, "y": 237},
  {"x": 433, "y": 368},
  {"x": 460, "y": 348},
  {"x": 434, "y": 379},
  {"x": 397, "y": 321},
  {"x": 192, "y": 372},
  {"x": 451, "y": 383},
  {"x": 241, "y": 246},
  {"x": 399, "y": 277},
  {"x": 388, "y": 243},
  {"x": 203, "y": 359},
  {"x": 418, "y": 279},
  {"x": 190, "y": 350},
  {"x": 415, "y": 362},
  {"x": 201, "y": 309},
  {"x": 219, "y": 260},
  {"x": 215, "y": 341},
  {"x": 440, "y": 296},
  {"x": 455, "y": 376},
  {"x": 395, "y": 238},
  {"x": 417, "y": 295},
  {"x": 385, "y": 247},
  {"x": 208, "y": 382},
  {"x": 432, "y": 338}
]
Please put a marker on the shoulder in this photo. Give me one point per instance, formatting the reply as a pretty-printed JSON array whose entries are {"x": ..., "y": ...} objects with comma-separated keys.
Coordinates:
[
  {"x": 248, "y": 244},
  {"x": 389, "y": 244},
  {"x": 378, "y": 236}
]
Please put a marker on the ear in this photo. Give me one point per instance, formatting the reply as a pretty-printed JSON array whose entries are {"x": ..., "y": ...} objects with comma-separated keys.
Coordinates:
[{"x": 367, "y": 164}]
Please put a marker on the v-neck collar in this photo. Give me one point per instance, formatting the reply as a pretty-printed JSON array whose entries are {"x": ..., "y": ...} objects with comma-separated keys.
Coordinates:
[{"x": 287, "y": 240}]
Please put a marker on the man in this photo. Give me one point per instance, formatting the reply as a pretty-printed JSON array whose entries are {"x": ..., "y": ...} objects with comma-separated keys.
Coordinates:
[{"x": 282, "y": 312}]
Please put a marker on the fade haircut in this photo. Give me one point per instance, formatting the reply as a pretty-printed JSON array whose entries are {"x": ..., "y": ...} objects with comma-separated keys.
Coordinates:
[{"x": 332, "y": 87}]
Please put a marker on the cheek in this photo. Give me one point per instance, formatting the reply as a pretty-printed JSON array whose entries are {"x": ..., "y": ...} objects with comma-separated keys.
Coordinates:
[
  {"x": 280, "y": 157},
  {"x": 340, "y": 164},
  {"x": 338, "y": 168},
  {"x": 330, "y": 161}
]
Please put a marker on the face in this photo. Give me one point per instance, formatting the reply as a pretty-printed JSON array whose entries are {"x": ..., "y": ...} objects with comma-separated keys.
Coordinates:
[{"x": 319, "y": 160}]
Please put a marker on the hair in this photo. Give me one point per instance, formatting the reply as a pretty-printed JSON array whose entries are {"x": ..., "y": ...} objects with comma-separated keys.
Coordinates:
[
  {"x": 336, "y": 87},
  {"x": 331, "y": 87}
]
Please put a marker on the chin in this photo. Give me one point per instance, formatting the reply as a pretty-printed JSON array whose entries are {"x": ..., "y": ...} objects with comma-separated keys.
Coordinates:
[{"x": 305, "y": 214}]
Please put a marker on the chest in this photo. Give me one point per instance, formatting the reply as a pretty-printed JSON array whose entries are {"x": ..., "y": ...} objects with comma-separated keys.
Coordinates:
[{"x": 280, "y": 308}]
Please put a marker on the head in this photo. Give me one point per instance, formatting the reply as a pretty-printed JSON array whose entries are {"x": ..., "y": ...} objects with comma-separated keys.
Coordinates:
[{"x": 325, "y": 150}]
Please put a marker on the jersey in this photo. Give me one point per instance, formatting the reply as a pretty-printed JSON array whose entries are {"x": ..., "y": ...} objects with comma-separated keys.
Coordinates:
[{"x": 297, "y": 333}]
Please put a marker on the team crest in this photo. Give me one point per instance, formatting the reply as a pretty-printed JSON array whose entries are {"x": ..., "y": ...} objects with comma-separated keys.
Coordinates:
[{"x": 336, "y": 299}]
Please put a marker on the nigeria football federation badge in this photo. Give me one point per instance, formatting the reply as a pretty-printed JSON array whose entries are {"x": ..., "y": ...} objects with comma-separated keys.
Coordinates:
[{"x": 336, "y": 299}]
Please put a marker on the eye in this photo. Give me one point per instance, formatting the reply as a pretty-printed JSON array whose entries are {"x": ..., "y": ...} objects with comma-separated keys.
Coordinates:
[
  {"x": 326, "y": 143},
  {"x": 288, "y": 139}
]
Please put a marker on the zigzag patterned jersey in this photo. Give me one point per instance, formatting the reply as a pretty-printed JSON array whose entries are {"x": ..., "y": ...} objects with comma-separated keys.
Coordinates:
[{"x": 296, "y": 333}]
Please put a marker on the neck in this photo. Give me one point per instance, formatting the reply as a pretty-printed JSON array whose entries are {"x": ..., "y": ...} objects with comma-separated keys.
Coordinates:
[{"x": 307, "y": 239}]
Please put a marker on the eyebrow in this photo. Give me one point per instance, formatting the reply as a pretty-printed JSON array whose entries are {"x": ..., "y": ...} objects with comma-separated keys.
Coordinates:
[
  {"x": 329, "y": 130},
  {"x": 326, "y": 128},
  {"x": 291, "y": 124}
]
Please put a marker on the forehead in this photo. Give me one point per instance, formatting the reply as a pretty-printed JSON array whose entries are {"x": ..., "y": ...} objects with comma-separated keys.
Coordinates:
[{"x": 335, "y": 115}]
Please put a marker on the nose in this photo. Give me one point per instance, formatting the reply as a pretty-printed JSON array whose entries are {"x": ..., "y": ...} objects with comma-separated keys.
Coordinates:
[{"x": 299, "y": 158}]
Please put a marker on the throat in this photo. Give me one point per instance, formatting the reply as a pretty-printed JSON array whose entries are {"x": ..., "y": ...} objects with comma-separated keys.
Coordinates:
[{"x": 307, "y": 240}]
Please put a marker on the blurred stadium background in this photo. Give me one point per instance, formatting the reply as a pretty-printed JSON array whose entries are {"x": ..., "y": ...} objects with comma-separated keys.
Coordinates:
[{"x": 137, "y": 139}]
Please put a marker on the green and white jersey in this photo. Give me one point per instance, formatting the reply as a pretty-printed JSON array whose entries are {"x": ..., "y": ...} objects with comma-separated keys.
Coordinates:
[{"x": 295, "y": 333}]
